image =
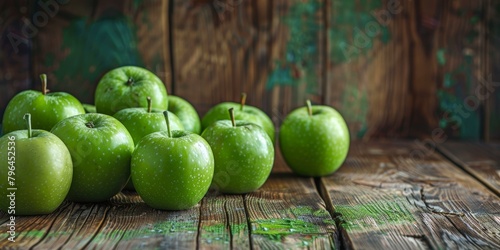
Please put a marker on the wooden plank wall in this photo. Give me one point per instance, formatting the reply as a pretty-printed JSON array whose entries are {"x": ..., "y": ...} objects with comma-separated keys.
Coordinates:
[
  {"x": 15, "y": 50},
  {"x": 393, "y": 68}
]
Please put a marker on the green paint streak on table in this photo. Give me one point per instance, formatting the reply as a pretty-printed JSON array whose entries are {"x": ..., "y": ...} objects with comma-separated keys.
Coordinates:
[
  {"x": 379, "y": 197},
  {"x": 356, "y": 217}
]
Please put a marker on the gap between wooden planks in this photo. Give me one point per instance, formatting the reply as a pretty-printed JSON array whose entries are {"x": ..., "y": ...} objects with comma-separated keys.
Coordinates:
[
  {"x": 383, "y": 198},
  {"x": 287, "y": 212},
  {"x": 479, "y": 160}
]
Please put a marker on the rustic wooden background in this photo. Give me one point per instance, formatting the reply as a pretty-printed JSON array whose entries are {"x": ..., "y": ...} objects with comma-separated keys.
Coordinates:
[{"x": 393, "y": 68}]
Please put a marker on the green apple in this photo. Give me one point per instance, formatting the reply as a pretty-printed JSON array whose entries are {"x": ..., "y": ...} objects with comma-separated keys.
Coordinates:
[
  {"x": 128, "y": 87},
  {"x": 46, "y": 109},
  {"x": 314, "y": 140},
  {"x": 89, "y": 108},
  {"x": 243, "y": 153},
  {"x": 35, "y": 172},
  {"x": 101, "y": 148},
  {"x": 144, "y": 121},
  {"x": 244, "y": 112},
  {"x": 172, "y": 170},
  {"x": 186, "y": 113}
]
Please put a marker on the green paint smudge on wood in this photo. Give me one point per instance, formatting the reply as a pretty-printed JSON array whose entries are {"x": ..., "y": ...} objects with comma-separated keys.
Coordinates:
[
  {"x": 220, "y": 232},
  {"x": 275, "y": 229},
  {"x": 158, "y": 229},
  {"x": 308, "y": 211},
  {"x": 458, "y": 116},
  {"x": 94, "y": 47},
  {"x": 238, "y": 228},
  {"x": 458, "y": 105},
  {"x": 215, "y": 233},
  {"x": 356, "y": 217},
  {"x": 354, "y": 29},
  {"x": 355, "y": 107},
  {"x": 441, "y": 56},
  {"x": 301, "y": 54}
]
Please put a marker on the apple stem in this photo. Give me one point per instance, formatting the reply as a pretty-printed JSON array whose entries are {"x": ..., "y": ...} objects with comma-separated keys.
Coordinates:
[
  {"x": 309, "y": 107},
  {"x": 243, "y": 100},
  {"x": 90, "y": 124},
  {"x": 150, "y": 104},
  {"x": 165, "y": 113},
  {"x": 27, "y": 117},
  {"x": 43, "y": 77},
  {"x": 130, "y": 81},
  {"x": 231, "y": 115}
]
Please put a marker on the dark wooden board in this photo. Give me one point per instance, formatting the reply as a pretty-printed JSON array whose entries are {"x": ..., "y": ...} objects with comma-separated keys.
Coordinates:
[
  {"x": 15, "y": 50},
  {"x": 405, "y": 68},
  {"x": 84, "y": 40},
  {"x": 397, "y": 196},
  {"x": 424, "y": 64},
  {"x": 479, "y": 160},
  {"x": 223, "y": 48}
]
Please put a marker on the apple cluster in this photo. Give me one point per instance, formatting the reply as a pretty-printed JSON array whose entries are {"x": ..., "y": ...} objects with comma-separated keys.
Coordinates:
[{"x": 137, "y": 137}]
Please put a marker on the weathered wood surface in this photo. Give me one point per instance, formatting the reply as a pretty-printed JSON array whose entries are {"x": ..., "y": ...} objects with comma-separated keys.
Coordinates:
[
  {"x": 82, "y": 40},
  {"x": 286, "y": 213},
  {"x": 479, "y": 160},
  {"x": 393, "y": 68},
  {"x": 15, "y": 50},
  {"x": 393, "y": 196},
  {"x": 387, "y": 195}
]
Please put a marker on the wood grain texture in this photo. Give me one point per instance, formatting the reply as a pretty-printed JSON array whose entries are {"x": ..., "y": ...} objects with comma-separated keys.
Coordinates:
[
  {"x": 15, "y": 50},
  {"x": 228, "y": 47},
  {"x": 390, "y": 195},
  {"x": 288, "y": 213},
  {"x": 368, "y": 70},
  {"x": 393, "y": 68},
  {"x": 492, "y": 61},
  {"x": 223, "y": 223},
  {"x": 479, "y": 160},
  {"x": 423, "y": 65},
  {"x": 393, "y": 196},
  {"x": 463, "y": 68},
  {"x": 84, "y": 40}
]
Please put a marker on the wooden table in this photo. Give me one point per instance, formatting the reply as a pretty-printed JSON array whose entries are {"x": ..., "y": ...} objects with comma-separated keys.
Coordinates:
[{"x": 387, "y": 195}]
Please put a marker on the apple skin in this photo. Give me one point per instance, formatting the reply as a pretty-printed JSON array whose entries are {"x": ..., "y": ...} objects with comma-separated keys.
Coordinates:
[
  {"x": 244, "y": 156},
  {"x": 46, "y": 110},
  {"x": 186, "y": 113},
  {"x": 314, "y": 145},
  {"x": 249, "y": 113},
  {"x": 139, "y": 122},
  {"x": 89, "y": 108},
  {"x": 43, "y": 172},
  {"x": 101, "y": 155},
  {"x": 172, "y": 173},
  {"x": 114, "y": 92}
]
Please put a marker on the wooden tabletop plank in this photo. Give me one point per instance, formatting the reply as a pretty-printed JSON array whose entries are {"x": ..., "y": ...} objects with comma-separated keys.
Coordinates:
[
  {"x": 387, "y": 195},
  {"x": 288, "y": 213},
  {"x": 78, "y": 221},
  {"x": 392, "y": 196},
  {"x": 223, "y": 223},
  {"x": 132, "y": 225},
  {"x": 478, "y": 159}
]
